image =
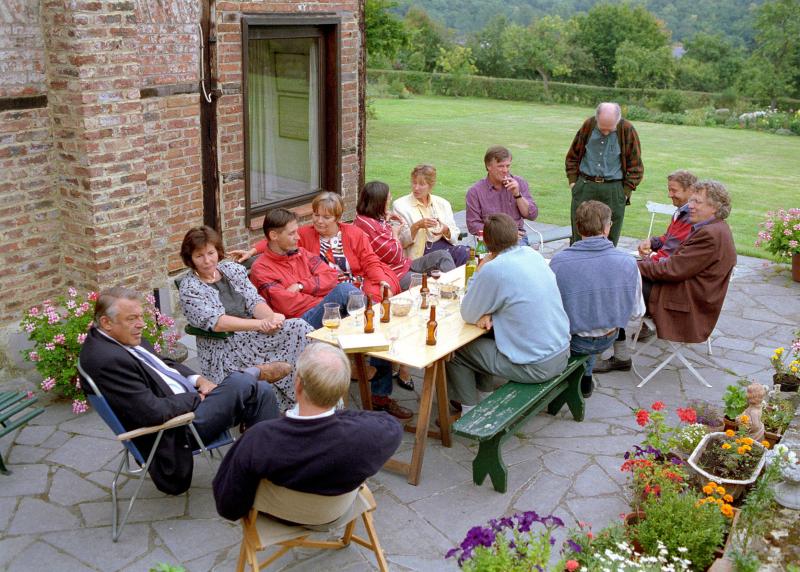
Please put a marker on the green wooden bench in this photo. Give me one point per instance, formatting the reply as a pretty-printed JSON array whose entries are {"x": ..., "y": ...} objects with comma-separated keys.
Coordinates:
[
  {"x": 508, "y": 408},
  {"x": 12, "y": 403}
]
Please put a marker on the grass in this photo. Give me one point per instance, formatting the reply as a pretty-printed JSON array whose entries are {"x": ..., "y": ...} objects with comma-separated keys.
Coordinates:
[{"x": 453, "y": 134}]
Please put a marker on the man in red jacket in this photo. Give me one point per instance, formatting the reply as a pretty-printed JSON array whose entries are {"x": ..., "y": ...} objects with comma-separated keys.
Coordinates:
[{"x": 292, "y": 280}]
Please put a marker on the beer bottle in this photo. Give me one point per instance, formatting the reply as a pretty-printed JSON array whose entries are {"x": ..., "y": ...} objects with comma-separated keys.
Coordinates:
[
  {"x": 423, "y": 292},
  {"x": 480, "y": 246},
  {"x": 386, "y": 304},
  {"x": 470, "y": 266},
  {"x": 430, "y": 339},
  {"x": 369, "y": 315}
]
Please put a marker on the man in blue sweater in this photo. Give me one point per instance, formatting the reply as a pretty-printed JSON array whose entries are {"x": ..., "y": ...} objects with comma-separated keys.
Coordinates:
[
  {"x": 314, "y": 449},
  {"x": 514, "y": 296},
  {"x": 599, "y": 306}
]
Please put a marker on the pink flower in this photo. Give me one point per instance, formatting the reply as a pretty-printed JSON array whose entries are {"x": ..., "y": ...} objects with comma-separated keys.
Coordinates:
[
  {"x": 572, "y": 565},
  {"x": 59, "y": 339},
  {"x": 71, "y": 304},
  {"x": 157, "y": 347},
  {"x": 81, "y": 338},
  {"x": 52, "y": 318},
  {"x": 33, "y": 356},
  {"x": 92, "y": 296},
  {"x": 658, "y": 406},
  {"x": 79, "y": 406},
  {"x": 34, "y": 311},
  {"x": 787, "y": 232},
  {"x": 72, "y": 292},
  {"x": 49, "y": 347},
  {"x": 29, "y": 394},
  {"x": 29, "y": 328},
  {"x": 793, "y": 244},
  {"x": 48, "y": 383}
]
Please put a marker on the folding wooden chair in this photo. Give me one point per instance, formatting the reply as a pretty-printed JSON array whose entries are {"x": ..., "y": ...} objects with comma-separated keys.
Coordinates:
[
  {"x": 260, "y": 530},
  {"x": 99, "y": 404}
]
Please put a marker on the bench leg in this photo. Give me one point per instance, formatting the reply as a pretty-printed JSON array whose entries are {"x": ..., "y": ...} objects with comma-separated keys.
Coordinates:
[
  {"x": 3, "y": 468},
  {"x": 489, "y": 461},
  {"x": 572, "y": 396}
]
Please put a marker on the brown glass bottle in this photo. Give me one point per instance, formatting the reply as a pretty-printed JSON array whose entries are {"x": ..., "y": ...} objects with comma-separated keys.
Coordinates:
[
  {"x": 386, "y": 304},
  {"x": 423, "y": 293},
  {"x": 369, "y": 316},
  {"x": 430, "y": 339}
]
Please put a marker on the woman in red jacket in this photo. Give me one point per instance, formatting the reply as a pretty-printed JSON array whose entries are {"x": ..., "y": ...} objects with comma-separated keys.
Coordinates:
[{"x": 376, "y": 221}]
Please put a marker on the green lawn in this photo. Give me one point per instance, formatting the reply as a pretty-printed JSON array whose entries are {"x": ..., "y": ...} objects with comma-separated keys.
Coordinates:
[{"x": 762, "y": 171}]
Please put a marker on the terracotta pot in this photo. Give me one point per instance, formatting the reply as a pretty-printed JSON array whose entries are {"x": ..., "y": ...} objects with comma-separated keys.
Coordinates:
[
  {"x": 729, "y": 424},
  {"x": 632, "y": 519},
  {"x": 796, "y": 267},
  {"x": 772, "y": 438}
]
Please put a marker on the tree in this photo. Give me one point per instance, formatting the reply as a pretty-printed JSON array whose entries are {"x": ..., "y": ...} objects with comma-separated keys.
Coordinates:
[
  {"x": 426, "y": 36},
  {"x": 641, "y": 68},
  {"x": 456, "y": 60},
  {"x": 385, "y": 33},
  {"x": 774, "y": 68},
  {"x": 711, "y": 63},
  {"x": 487, "y": 48},
  {"x": 545, "y": 49},
  {"x": 606, "y": 26}
]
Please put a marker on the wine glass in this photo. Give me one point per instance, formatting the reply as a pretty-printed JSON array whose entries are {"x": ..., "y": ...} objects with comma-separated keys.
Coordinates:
[
  {"x": 355, "y": 307},
  {"x": 393, "y": 334},
  {"x": 435, "y": 274},
  {"x": 331, "y": 319}
]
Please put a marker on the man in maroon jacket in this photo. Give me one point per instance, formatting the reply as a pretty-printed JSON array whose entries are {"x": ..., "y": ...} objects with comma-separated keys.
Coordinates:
[{"x": 292, "y": 280}]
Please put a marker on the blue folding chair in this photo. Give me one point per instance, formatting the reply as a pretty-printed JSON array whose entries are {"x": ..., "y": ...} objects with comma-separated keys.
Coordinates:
[{"x": 99, "y": 404}]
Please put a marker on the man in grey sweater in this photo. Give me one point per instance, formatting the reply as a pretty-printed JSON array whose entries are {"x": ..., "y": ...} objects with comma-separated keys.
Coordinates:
[{"x": 514, "y": 296}]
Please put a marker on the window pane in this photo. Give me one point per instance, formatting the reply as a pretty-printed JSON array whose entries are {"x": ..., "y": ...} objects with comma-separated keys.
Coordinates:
[{"x": 283, "y": 116}]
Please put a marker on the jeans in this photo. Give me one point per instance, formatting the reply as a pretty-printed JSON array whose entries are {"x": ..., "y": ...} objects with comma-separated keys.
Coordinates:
[
  {"x": 523, "y": 241},
  {"x": 381, "y": 384},
  {"x": 338, "y": 295},
  {"x": 439, "y": 259},
  {"x": 459, "y": 252},
  {"x": 592, "y": 347},
  {"x": 240, "y": 398}
]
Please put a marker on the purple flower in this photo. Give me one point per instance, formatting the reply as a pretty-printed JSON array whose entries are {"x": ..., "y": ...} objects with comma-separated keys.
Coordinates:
[{"x": 574, "y": 546}]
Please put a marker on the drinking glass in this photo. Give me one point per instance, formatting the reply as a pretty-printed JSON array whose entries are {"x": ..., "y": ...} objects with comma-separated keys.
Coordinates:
[
  {"x": 393, "y": 334},
  {"x": 331, "y": 319},
  {"x": 355, "y": 307}
]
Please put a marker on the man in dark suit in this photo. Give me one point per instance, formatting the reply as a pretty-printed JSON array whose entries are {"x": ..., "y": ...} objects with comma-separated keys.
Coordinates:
[
  {"x": 145, "y": 390},
  {"x": 685, "y": 292}
]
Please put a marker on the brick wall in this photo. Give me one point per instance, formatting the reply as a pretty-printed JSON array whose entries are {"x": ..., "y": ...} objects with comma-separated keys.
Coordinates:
[{"x": 101, "y": 176}]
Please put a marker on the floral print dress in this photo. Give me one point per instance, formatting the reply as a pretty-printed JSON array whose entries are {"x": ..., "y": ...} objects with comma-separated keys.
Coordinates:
[{"x": 220, "y": 357}]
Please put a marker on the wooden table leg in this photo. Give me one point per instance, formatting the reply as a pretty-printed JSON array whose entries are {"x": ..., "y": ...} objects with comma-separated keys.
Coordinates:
[
  {"x": 423, "y": 418},
  {"x": 443, "y": 403},
  {"x": 363, "y": 383}
]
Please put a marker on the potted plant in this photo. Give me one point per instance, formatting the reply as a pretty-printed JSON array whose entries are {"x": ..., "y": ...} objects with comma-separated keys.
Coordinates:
[
  {"x": 518, "y": 543},
  {"x": 687, "y": 438},
  {"x": 708, "y": 414},
  {"x": 58, "y": 329},
  {"x": 682, "y": 520},
  {"x": 776, "y": 415},
  {"x": 787, "y": 367},
  {"x": 780, "y": 235},
  {"x": 729, "y": 458},
  {"x": 735, "y": 400},
  {"x": 651, "y": 475}
]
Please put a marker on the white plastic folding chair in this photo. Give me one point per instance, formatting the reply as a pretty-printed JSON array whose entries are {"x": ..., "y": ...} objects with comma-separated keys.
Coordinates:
[
  {"x": 658, "y": 208},
  {"x": 129, "y": 448},
  {"x": 678, "y": 350}
]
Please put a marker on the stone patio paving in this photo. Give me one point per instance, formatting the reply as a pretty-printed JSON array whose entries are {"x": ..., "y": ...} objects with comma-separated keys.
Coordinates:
[{"x": 55, "y": 507}]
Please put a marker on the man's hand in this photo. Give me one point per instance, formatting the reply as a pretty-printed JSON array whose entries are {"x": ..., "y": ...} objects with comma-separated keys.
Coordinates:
[
  {"x": 204, "y": 387},
  {"x": 644, "y": 248},
  {"x": 485, "y": 322},
  {"x": 241, "y": 255},
  {"x": 511, "y": 185},
  {"x": 294, "y": 288}
]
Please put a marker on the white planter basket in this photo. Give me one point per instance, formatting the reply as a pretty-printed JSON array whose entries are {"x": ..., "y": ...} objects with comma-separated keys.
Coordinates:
[{"x": 694, "y": 459}]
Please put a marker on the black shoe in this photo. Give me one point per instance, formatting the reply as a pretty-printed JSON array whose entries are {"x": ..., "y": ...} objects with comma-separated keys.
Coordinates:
[
  {"x": 587, "y": 386},
  {"x": 645, "y": 333},
  {"x": 407, "y": 385},
  {"x": 611, "y": 364}
]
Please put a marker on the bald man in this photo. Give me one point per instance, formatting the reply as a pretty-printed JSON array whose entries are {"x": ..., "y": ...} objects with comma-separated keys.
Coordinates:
[{"x": 604, "y": 163}]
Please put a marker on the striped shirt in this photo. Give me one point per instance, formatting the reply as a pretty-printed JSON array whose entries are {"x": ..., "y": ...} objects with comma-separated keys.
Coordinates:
[{"x": 383, "y": 242}]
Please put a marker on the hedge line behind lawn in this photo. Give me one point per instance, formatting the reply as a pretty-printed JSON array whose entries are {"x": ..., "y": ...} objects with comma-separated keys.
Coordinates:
[{"x": 563, "y": 93}]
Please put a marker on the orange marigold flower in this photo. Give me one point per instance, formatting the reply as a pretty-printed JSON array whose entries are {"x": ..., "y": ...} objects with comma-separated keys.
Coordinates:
[
  {"x": 765, "y": 444},
  {"x": 720, "y": 490},
  {"x": 726, "y": 445},
  {"x": 726, "y": 510},
  {"x": 730, "y": 433},
  {"x": 709, "y": 488},
  {"x": 741, "y": 450},
  {"x": 747, "y": 441},
  {"x": 728, "y": 498},
  {"x": 744, "y": 419}
]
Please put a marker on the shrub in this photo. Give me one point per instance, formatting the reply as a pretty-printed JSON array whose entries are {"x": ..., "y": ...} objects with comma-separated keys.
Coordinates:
[
  {"x": 672, "y": 102},
  {"x": 677, "y": 520}
]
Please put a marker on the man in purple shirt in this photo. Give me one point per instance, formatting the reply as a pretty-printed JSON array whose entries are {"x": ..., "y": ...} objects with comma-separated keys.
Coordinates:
[{"x": 500, "y": 192}]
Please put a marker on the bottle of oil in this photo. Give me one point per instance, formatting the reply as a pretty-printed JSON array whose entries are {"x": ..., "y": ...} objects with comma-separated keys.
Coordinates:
[
  {"x": 423, "y": 292},
  {"x": 430, "y": 339},
  {"x": 386, "y": 304},
  {"x": 369, "y": 316},
  {"x": 470, "y": 266}
]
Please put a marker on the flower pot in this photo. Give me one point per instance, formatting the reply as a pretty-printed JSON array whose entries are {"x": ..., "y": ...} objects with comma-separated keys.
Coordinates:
[
  {"x": 789, "y": 383},
  {"x": 796, "y": 267},
  {"x": 744, "y": 480},
  {"x": 772, "y": 438},
  {"x": 729, "y": 424},
  {"x": 631, "y": 520}
]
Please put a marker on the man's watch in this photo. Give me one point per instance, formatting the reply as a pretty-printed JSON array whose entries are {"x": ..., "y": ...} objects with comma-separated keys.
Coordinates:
[{"x": 299, "y": 287}]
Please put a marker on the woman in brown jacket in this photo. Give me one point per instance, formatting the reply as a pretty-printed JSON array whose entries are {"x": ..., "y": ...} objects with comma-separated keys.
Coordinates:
[{"x": 686, "y": 291}]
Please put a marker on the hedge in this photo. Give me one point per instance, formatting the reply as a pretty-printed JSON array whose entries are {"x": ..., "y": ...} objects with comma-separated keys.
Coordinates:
[{"x": 425, "y": 83}]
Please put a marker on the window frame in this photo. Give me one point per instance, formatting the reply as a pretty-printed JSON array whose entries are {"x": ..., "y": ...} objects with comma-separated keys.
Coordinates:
[{"x": 326, "y": 27}]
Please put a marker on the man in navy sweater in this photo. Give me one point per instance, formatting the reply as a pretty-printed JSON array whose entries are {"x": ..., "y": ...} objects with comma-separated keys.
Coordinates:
[
  {"x": 314, "y": 448},
  {"x": 602, "y": 305}
]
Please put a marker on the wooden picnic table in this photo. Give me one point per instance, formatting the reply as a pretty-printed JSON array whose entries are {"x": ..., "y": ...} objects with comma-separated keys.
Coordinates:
[{"x": 410, "y": 349}]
